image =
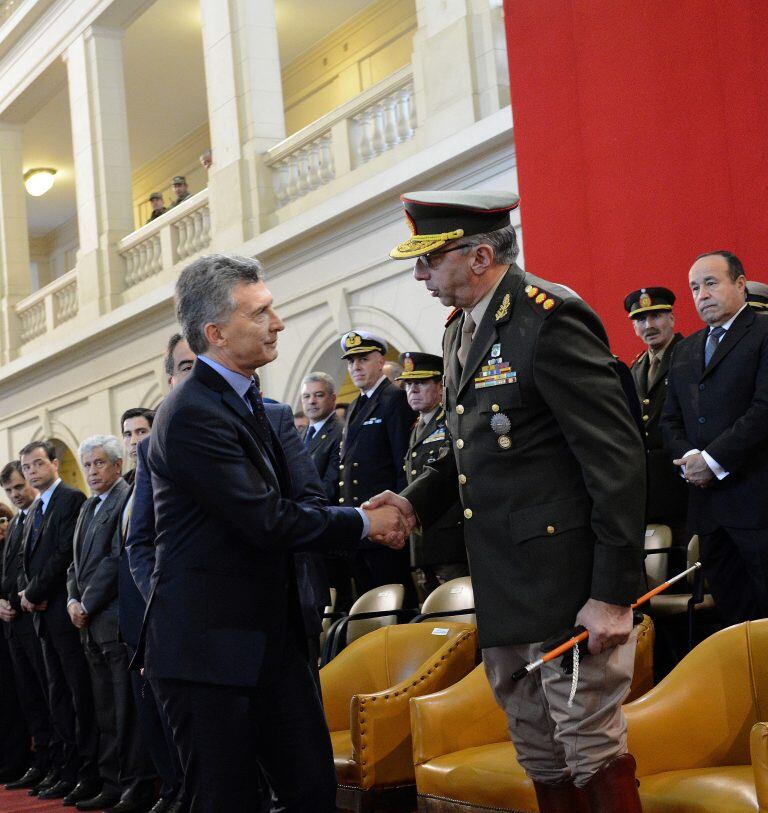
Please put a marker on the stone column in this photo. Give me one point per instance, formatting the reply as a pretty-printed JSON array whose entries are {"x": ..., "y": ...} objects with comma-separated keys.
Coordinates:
[
  {"x": 15, "y": 281},
  {"x": 245, "y": 111},
  {"x": 102, "y": 165}
]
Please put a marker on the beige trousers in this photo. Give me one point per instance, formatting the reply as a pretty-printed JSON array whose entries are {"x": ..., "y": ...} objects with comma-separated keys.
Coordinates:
[{"x": 556, "y": 743}]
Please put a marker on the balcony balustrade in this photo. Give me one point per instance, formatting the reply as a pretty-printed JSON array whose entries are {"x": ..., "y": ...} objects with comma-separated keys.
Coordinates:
[{"x": 46, "y": 309}]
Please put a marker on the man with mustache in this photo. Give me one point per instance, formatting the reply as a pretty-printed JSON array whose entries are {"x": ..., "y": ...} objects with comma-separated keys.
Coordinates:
[{"x": 652, "y": 317}]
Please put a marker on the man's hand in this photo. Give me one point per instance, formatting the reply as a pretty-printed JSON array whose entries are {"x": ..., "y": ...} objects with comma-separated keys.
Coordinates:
[
  {"x": 396, "y": 501},
  {"x": 387, "y": 526},
  {"x": 609, "y": 624},
  {"x": 29, "y": 607},
  {"x": 696, "y": 470},
  {"x": 7, "y": 613},
  {"x": 77, "y": 614}
]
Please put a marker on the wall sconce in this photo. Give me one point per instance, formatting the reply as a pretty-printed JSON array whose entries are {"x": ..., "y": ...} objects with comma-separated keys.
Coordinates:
[{"x": 39, "y": 180}]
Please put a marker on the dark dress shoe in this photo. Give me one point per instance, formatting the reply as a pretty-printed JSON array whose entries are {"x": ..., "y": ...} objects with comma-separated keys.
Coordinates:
[
  {"x": 31, "y": 778},
  {"x": 10, "y": 774},
  {"x": 48, "y": 781},
  {"x": 81, "y": 792},
  {"x": 178, "y": 806},
  {"x": 131, "y": 806},
  {"x": 57, "y": 791},
  {"x": 104, "y": 801},
  {"x": 162, "y": 805}
]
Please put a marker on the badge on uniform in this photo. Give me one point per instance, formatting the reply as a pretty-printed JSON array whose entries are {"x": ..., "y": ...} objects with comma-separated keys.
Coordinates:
[
  {"x": 501, "y": 425},
  {"x": 437, "y": 435},
  {"x": 496, "y": 351},
  {"x": 371, "y": 421}
]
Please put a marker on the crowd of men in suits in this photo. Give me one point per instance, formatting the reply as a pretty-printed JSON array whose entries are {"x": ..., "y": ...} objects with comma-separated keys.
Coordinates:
[{"x": 163, "y": 632}]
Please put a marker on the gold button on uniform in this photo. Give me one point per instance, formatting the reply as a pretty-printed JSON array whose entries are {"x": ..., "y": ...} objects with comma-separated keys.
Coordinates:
[
  {"x": 462, "y": 479},
  {"x": 550, "y": 529},
  {"x": 646, "y": 417},
  {"x": 354, "y": 482},
  {"x": 413, "y": 454},
  {"x": 413, "y": 471},
  {"x": 355, "y": 465},
  {"x": 341, "y": 499},
  {"x": 495, "y": 407},
  {"x": 646, "y": 401},
  {"x": 459, "y": 444},
  {"x": 467, "y": 513},
  {"x": 341, "y": 466},
  {"x": 459, "y": 409}
]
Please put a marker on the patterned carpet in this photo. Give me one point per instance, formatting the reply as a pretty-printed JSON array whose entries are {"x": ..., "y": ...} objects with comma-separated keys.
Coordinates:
[{"x": 19, "y": 801}]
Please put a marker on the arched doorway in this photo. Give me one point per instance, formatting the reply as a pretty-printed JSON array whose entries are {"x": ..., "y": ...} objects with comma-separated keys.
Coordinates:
[{"x": 69, "y": 469}]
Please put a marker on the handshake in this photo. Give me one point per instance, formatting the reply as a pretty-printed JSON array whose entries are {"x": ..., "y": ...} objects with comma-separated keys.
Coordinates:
[{"x": 392, "y": 519}]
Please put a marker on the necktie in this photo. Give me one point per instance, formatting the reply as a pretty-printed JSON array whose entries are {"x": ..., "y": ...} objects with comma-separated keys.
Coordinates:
[
  {"x": 467, "y": 331},
  {"x": 309, "y": 435},
  {"x": 37, "y": 521},
  {"x": 253, "y": 395},
  {"x": 359, "y": 403},
  {"x": 653, "y": 371},
  {"x": 712, "y": 342}
]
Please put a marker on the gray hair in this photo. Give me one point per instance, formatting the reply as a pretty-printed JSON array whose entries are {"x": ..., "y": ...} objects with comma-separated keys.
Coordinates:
[
  {"x": 111, "y": 445},
  {"x": 204, "y": 293},
  {"x": 317, "y": 375},
  {"x": 503, "y": 242}
]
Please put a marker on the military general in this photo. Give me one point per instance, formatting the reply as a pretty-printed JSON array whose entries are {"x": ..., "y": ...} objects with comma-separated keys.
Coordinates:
[{"x": 550, "y": 472}]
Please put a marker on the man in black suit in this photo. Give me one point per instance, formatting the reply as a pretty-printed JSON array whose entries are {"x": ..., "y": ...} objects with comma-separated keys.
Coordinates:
[
  {"x": 715, "y": 425},
  {"x": 47, "y": 555},
  {"x": 223, "y": 636},
  {"x": 92, "y": 585},
  {"x": 23, "y": 643},
  {"x": 653, "y": 320},
  {"x": 373, "y": 446}
]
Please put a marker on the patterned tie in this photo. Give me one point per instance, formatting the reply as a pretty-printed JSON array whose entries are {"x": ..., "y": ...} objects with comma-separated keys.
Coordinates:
[
  {"x": 309, "y": 435},
  {"x": 712, "y": 342},
  {"x": 37, "y": 521},
  {"x": 467, "y": 331},
  {"x": 253, "y": 395}
]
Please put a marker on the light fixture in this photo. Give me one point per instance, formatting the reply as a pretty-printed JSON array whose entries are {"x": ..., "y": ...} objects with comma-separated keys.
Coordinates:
[{"x": 39, "y": 180}]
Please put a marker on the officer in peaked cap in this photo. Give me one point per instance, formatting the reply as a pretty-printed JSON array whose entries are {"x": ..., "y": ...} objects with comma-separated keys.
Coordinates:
[
  {"x": 373, "y": 446},
  {"x": 550, "y": 471},
  {"x": 757, "y": 296},
  {"x": 653, "y": 320},
  {"x": 438, "y": 553},
  {"x": 180, "y": 189}
]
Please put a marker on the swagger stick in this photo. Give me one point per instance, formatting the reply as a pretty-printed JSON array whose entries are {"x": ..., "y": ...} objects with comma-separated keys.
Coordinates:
[{"x": 534, "y": 666}]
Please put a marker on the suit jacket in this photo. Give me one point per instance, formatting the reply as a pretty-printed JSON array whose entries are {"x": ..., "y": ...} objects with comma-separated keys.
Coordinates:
[
  {"x": 223, "y": 602},
  {"x": 667, "y": 492},
  {"x": 373, "y": 445},
  {"x": 47, "y": 560},
  {"x": 552, "y": 467},
  {"x": 723, "y": 410},
  {"x": 325, "y": 451},
  {"x": 93, "y": 575},
  {"x": 9, "y": 581},
  {"x": 442, "y": 542},
  {"x": 131, "y": 604}
]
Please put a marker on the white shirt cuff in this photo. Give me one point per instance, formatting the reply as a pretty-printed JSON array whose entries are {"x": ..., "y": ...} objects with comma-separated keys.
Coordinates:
[
  {"x": 717, "y": 469},
  {"x": 366, "y": 523}
]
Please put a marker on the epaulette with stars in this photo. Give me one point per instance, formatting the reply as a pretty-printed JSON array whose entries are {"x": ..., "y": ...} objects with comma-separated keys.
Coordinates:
[
  {"x": 540, "y": 300},
  {"x": 452, "y": 315},
  {"x": 638, "y": 357}
]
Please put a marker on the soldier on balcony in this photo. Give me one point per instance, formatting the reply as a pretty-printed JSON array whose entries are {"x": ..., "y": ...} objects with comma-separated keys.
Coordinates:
[{"x": 180, "y": 189}]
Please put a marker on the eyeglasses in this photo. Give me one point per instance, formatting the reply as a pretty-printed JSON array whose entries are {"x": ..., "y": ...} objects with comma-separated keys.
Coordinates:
[{"x": 426, "y": 259}]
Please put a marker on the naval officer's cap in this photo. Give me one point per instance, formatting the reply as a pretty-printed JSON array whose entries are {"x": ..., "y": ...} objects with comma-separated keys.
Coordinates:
[
  {"x": 420, "y": 367},
  {"x": 435, "y": 218},
  {"x": 359, "y": 342},
  {"x": 648, "y": 300},
  {"x": 757, "y": 295}
]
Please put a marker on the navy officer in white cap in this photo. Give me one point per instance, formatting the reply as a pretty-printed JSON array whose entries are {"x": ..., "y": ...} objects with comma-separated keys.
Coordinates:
[{"x": 373, "y": 446}]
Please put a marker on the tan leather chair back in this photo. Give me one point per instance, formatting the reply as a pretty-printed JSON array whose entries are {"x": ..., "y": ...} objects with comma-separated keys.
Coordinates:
[
  {"x": 657, "y": 537},
  {"x": 456, "y": 594},
  {"x": 703, "y": 710},
  {"x": 326, "y": 624},
  {"x": 386, "y": 597}
]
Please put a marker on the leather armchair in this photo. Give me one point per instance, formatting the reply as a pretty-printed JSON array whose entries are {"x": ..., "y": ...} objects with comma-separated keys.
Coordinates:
[
  {"x": 464, "y": 760},
  {"x": 366, "y": 691}
]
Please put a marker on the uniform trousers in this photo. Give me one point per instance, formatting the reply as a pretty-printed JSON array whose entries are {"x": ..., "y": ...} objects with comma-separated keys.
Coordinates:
[{"x": 555, "y": 743}]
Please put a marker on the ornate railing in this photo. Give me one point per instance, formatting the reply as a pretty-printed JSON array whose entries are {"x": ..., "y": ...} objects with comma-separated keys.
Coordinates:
[
  {"x": 173, "y": 237},
  {"x": 370, "y": 124},
  {"x": 49, "y": 307}
]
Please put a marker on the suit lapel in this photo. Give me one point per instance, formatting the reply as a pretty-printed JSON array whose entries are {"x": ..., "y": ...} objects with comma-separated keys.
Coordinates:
[
  {"x": 362, "y": 414},
  {"x": 640, "y": 374},
  {"x": 325, "y": 429},
  {"x": 83, "y": 550},
  {"x": 732, "y": 337}
]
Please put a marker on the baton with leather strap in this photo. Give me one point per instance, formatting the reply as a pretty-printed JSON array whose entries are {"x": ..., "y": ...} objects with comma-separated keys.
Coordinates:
[{"x": 579, "y": 634}]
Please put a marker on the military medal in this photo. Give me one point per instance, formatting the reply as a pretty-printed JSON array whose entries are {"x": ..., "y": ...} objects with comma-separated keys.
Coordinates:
[
  {"x": 504, "y": 441},
  {"x": 501, "y": 424},
  {"x": 496, "y": 351}
]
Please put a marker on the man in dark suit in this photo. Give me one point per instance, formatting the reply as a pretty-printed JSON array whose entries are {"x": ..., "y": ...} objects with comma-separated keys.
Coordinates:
[
  {"x": 373, "y": 446},
  {"x": 438, "y": 554},
  {"x": 24, "y": 646},
  {"x": 92, "y": 585},
  {"x": 715, "y": 425},
  {"x": 135, "y": 425},
  {"x": 323, "y": 441},
  {"x": 223, "y": 636},
  {"x": 550, "y": 471},
  {"x": 653, "y": 320},
  {"x": 47, "y": 555}
]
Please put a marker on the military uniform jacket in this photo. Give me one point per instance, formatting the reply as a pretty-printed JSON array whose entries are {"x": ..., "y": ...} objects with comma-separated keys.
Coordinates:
[
  {"x": 667, "y": 492},
  {"x": 443, "y": 542},
  {"x": 324, "y": 449},
  {"x": 373, "y": 446},
  {"x": 723, "y": 410},
  {"x": 554, "y": 512}
]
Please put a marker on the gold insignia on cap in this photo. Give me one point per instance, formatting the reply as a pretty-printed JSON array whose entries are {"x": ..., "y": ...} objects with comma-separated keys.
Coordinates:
[
  {"x": 352, "y": 340},
  {"x": 408, "y": 364},
  {"x": 540, "y": 298},
  {"x": 531, "y": 290},
  {"x": 503, "y": 308},
  {"x": 548, "y": 304},
  {"x": 645, "y": 300}
]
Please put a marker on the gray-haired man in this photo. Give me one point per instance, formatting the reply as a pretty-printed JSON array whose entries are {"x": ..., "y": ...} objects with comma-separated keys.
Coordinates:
[{"x": 92, "y": 582}]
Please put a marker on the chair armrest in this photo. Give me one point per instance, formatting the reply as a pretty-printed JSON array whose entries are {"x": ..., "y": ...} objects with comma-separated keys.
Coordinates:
[
  {"x": 462, "y": 716},
  {"x": 441, "y": 614},
  {"x": 380, "y": 722},
  {"x": 758, "y": 749}
]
